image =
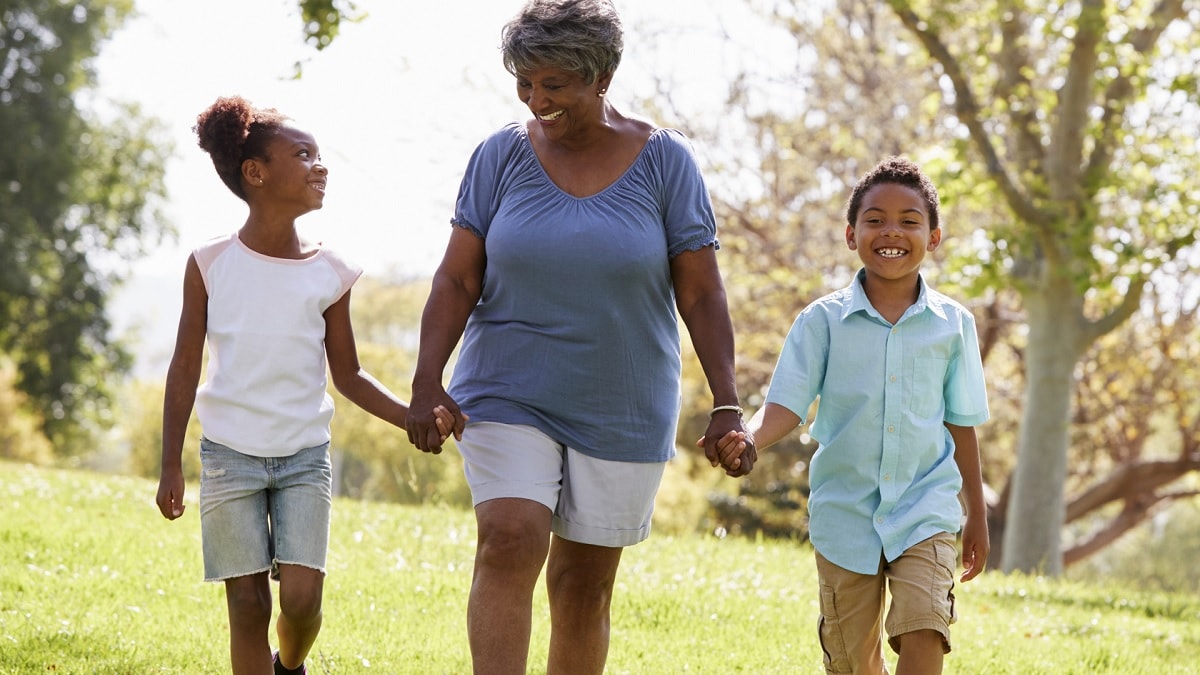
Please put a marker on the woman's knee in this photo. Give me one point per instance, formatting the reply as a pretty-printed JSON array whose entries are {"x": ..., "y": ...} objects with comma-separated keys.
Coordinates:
[
  {"x": 582, "y": 575},
  {"x": 513, "y": 538}
]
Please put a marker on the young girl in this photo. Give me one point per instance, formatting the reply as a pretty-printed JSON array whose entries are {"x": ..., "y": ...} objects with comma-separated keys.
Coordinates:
[{"x": 273, "y": 307}]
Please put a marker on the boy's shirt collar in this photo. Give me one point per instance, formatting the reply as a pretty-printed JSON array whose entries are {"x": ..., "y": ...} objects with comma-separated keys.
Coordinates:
[{"x": 859, "y": 302}]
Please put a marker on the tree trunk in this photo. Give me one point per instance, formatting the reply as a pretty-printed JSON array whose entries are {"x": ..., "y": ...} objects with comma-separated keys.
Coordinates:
[{"x": 1036, "y": 507}]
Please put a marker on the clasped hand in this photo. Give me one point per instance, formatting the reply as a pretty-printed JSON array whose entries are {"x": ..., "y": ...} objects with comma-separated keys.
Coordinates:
[{"x": 731, "y": 449}]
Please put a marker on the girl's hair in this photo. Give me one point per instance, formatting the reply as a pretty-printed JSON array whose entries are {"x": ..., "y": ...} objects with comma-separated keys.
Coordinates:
[
  {"x": 580, "y": 36},
  {"x": 901, "y": 171},
  {"x": 231, "y": 130}
]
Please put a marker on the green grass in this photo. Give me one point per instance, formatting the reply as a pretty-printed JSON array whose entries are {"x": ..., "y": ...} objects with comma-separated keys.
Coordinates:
[{"x": 93, "y": 580}]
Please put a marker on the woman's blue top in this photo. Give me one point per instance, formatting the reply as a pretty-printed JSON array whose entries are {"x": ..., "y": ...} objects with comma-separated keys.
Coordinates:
[{"x": 576, "y": 332}]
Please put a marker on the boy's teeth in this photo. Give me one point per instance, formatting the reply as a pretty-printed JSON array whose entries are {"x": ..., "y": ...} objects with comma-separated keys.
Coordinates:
[{"x": 891, "y": 252}]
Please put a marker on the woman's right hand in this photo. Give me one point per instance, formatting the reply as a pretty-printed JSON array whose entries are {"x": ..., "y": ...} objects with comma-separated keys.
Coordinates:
[{"x": 421, "y": 423}]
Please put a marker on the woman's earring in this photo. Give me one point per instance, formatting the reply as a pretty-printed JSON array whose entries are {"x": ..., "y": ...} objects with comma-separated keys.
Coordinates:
[{"x": 600, "y": 92}]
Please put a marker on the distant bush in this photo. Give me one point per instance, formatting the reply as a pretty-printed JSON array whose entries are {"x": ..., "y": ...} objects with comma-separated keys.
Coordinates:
[
  {"x": 1159, "y": 555},
  {"x": 21, "y": 437}
]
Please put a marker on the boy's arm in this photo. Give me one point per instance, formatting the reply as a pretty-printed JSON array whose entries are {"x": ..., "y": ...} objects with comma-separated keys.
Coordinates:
[
  {"x": 975, "y": 542},
  {"x": 771, "y": 423}
]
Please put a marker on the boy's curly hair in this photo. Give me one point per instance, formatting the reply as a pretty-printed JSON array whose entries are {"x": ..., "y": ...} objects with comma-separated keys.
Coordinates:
[{"x": 901, "y": 171}]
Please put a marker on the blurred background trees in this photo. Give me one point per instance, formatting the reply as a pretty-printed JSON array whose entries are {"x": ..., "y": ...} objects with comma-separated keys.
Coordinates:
[
  {"x": 79, "y": 183},
  {"x": 1062, "y": 141}
]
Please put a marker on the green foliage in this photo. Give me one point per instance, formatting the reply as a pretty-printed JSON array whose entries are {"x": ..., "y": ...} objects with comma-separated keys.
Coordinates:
[
  {"x": 21, "y": 437},
  {"x": 79, "y": 198},
  {"x": 141, "y": 431},
  {"x": 93, "y": 579},
  {"x": 323, "y": 19}
]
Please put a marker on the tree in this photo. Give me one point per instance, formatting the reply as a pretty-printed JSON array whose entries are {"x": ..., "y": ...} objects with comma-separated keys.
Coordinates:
[
  {"x": 78, "y": 198},
  {"x": 1081, "y": 118}
]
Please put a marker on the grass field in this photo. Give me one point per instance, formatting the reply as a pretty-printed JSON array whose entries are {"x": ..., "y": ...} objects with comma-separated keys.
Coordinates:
[{"x": 93, "y": 580}]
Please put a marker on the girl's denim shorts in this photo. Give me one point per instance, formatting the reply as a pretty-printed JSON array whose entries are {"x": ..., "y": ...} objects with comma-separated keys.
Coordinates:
[{"x": 257, "y": 513}]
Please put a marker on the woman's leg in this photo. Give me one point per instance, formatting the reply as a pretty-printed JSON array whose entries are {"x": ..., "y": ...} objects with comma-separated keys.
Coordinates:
[
  {"x": 514, "y": 537},
  {"x": 300, "y": 591},
  {"x": 249, "y": 601},
  {"x": 579, "y": 580}
]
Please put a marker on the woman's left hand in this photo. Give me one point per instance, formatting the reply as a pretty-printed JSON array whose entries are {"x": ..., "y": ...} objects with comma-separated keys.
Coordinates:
[{"x": 726, "y": 444}]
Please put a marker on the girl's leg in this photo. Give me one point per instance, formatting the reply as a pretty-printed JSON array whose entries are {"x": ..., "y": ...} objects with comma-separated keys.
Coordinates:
[
  {"x": 579, "y": 580},
  {"x": 300, "y": 592},
  {"x": 249, "y": 601},
  {"x": 300, "y": 511},
  {"x": 514, "y": 537}
]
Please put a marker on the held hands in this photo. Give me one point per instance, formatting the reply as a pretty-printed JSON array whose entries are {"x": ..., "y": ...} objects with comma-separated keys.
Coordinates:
[
  {"x": 432, "y": 418},
  {"x": 445, "y": 425},
  {"x": 730, "y": 447}
]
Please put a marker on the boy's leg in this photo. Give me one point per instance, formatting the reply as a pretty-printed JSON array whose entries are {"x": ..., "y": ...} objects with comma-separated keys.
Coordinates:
[
  {"x": 921, "y": 582},
  {"x": 249, "y": 601},
  {"x": 920, "y": 653},
  {"x": 851, "y": 620}
]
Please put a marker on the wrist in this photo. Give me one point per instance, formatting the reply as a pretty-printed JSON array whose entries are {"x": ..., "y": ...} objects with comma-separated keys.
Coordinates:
[{"x": 736, "y": 409}]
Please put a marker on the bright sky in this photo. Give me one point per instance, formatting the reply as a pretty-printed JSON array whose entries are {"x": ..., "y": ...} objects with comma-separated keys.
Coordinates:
[{"x": 397, "y": 104}]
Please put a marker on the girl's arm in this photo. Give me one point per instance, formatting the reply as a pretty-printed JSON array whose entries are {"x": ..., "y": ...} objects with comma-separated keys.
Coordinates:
[
  {"x": 975, "y": 542},
  {"x": 183, "y": 376},
  {"x": 355, "y": 383}
]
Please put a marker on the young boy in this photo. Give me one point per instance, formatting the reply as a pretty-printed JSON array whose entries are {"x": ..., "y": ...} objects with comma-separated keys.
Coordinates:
[{"x": 897, "y": 369}]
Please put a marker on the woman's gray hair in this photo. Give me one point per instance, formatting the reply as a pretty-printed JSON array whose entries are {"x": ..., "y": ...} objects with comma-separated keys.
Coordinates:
[{"x": 580, "y": 36}]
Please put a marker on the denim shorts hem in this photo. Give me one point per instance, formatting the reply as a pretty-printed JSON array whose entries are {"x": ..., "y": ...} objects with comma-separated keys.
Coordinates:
[
  {"x": 226, "y": 577},
  {"x": 310, "y": 566}
]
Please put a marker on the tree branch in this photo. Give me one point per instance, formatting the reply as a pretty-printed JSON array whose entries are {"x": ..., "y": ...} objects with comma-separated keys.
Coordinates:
[
  {"x": 1015, "y": 88},
  {"x": 1093, "y": 330},
  {"x": 1065, "y": 159},
  {"x": 1120, "y": 91},
  {"x": 968, "y": 112},
  {"x": 1127, "y": 483}
]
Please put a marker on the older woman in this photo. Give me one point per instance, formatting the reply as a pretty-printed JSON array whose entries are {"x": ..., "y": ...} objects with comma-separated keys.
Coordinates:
[{"x": 576, "y": 236}]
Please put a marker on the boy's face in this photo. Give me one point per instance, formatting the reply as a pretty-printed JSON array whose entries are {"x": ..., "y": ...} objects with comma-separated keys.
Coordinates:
[{"x": 891, "y": 233}]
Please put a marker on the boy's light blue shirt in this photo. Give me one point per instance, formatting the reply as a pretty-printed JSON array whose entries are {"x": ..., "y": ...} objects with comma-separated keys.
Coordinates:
[
  {"x": 884, "y": 476},
  {"x": 576, "y": 332}
]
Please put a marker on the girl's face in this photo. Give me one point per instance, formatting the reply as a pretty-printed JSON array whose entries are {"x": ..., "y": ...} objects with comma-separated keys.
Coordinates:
[
  {"x": 561, "y": 101},
  {"x": 292, "y": 172},
  {"x": 891, "y": 233}
]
